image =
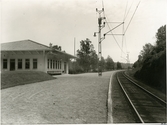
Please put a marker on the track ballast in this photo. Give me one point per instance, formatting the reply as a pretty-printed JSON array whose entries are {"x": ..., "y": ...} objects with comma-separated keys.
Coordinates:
[{"x": 147, "y": 106}]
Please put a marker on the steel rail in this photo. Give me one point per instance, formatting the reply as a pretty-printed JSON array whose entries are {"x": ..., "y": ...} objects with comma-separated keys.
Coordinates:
[
  {"x": 161, "y": 100},
  {"x": 137, "y": 113}
]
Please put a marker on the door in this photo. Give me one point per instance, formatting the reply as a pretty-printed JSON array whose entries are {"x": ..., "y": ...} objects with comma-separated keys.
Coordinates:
[
  {"x": 12, "y": 64},
  {"x": 65, "y": 68}
]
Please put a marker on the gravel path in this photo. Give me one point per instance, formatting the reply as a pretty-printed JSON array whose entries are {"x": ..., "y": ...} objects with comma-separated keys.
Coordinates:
[
  {"x": 122, "y": 112},
  {"x": 68, "y": 99}
]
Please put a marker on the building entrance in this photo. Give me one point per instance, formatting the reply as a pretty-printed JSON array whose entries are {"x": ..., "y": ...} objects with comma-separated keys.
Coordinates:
[
  {"x": 65, "y": 67},
  {"x": 12, "y": 64}
]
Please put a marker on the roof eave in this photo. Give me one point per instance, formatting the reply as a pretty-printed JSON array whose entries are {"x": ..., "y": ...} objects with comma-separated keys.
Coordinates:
[{"x": 71, "y": 56}]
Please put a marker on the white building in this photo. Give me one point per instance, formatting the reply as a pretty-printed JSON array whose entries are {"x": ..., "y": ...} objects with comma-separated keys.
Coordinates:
[{"x": 27, "y": 55}]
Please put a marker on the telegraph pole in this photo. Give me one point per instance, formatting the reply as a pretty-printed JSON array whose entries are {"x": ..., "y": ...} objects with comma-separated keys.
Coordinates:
[
  {"x": 74, "y": 46},
  {"x": 100, "y": 26},
  {"x": 128, "y": 61}
]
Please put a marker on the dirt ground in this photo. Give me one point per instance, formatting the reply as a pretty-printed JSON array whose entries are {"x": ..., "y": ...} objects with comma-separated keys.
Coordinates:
[{"x": 67, "y": 99}]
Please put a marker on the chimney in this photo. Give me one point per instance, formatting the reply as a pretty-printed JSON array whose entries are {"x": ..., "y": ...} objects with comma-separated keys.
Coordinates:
[
  {"x": 60, "y": 48},
  {"x": 50, "y": 45}
]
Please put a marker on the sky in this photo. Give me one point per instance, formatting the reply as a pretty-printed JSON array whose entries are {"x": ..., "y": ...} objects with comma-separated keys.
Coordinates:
[{"x": 61, "y": 21}]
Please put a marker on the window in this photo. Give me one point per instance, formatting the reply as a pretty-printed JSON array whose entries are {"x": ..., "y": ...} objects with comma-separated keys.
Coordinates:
[
  {"x": 27, "y": 64},
  {"x": 35, "y": 63},
  {"x": 5, "y": 63},
  {"x": 48, "y": 63},
  {"x": 60, "y": 64},
  {"x": 12, "y": 64},
  {"x": 51, "y": 64},
  {"x": 19, "y": 63},
  {"x": 56, "y": 64}
]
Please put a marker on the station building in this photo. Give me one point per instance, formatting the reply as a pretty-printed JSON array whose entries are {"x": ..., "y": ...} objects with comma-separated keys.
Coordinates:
[{"x": 27, "y": 55}]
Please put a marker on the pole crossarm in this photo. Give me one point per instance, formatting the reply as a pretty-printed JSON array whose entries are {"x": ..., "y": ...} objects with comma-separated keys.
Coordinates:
[
  {"x": 99, "y": 11},
  {"x": 114, "y": 34},
  {"x": 114, "y": 28},
  {"x": 101, "y": 39},
  {"x": 103, "y": 26},
  {"x": 113, "y": 22}
]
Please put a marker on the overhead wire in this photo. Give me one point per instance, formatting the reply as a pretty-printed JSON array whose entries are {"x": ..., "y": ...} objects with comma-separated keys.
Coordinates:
[
  {"x": 125, "y": 11},
  {"x": 122, "y": 37},
  {"x": 123, "y": 58},
  {"x": 128, "y": 26},
  {"x": 132, "y": 17},
  {"x": 110, "y": 29},
  {"x": 125, "y": 43},
  {"x": 128, "y": 11},
  {"x": 123, "y": 26},
  {"x": 125, "y": 16}
]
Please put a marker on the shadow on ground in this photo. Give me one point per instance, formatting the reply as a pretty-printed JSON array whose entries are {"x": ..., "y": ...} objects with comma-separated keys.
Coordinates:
[{"x": 15, "y": 78}]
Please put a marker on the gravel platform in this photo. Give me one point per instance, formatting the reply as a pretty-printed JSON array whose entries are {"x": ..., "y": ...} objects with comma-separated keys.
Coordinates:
[{"x": 68, "y": 99}]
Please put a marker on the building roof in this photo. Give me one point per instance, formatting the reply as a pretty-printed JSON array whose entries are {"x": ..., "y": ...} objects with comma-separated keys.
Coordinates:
[
  {"x": 23, "y": 45},
  {"x": 28, "y": 45}
]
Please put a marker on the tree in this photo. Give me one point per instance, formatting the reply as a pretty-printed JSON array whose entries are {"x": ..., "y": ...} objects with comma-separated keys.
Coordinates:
[
  {"x": 119, "y": 65},
  {"x": 152, "y": 68},
  {"x": 87, "y": 57},
  {"x": 138, "y": 62},
  {"x": 161, "y": 39},
  {"x": 93, "y": 60},
  {"x": 147, "y": 49},
  {"x": 75, "y": 68},
  {"x": 161, "y": 35},
  {"x": 57, "y": 47},
  {"x": 109, "y": 63}
]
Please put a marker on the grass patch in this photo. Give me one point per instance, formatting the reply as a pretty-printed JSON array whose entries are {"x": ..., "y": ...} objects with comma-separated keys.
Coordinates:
[{"x": 15, "y": 78}]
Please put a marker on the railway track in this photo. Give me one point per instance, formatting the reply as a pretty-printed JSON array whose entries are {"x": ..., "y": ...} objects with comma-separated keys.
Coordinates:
[{"x": 148, "y": 107}]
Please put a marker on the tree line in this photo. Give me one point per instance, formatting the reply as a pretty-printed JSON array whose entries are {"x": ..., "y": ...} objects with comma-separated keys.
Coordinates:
[
  {"x": 151, "y": 63},
  {"x": 87, "y": 60}
]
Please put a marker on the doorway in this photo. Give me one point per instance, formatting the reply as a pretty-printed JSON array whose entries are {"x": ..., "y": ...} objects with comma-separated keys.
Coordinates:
[
  {"x": 12, "y": 64},
  {"x": 65, "y": 67}
]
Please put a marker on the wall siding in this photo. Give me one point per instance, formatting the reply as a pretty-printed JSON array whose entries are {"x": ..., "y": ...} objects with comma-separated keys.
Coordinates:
[{"x": 42, "y": 60}]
